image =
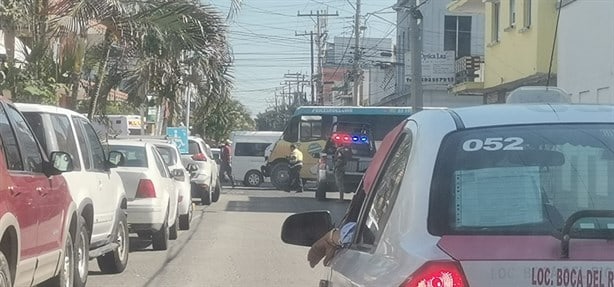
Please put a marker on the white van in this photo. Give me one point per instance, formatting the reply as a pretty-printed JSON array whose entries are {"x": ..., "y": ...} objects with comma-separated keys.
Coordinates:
[{"x": 248, "y": 154}]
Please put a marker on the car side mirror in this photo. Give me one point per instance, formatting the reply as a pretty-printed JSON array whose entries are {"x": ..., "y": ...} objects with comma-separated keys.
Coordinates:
[
  {"x": 116, "y": 159},
  {"x": 178, "y": 174},
  {"x": 60, "y": 162},
  {"x": 306, "y": 228},
  {"x": 191, "y": 167}
]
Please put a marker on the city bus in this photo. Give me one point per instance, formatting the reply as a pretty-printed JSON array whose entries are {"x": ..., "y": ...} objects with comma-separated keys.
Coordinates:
[{"x": 309, "y": 128}]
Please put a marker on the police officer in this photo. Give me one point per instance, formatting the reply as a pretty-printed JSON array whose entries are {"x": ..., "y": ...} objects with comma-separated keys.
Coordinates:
[
  {"x": 296, "y": 164},
  {"x": 342, "y": 155}
]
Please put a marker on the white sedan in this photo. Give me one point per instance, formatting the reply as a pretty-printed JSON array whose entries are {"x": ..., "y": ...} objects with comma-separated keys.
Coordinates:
[
  {"x": 151, "y": 192},
  {"x": 172, "y": 158},
  {"x": 495, "y": 195}
]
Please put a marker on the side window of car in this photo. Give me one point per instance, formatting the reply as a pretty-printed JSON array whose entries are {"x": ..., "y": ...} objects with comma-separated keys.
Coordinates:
[
  {"x": 30, "y": 150},
  {"x": 65, "y": 138},
  {"x": 9, "y": 143},
  {"x": 81, "y": 136},
  {"x": 98, "y": 156},
  {"x": 160, "y": 164},
  {"x": 379, "y": 205}
]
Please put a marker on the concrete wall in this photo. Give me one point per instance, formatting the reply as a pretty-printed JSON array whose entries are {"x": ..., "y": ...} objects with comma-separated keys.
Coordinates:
[{"x": 586, "y": 51}]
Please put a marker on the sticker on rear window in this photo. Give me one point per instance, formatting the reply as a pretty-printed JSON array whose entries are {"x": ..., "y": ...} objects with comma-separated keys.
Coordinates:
[
  {"x": 571, "y": 276},
  {"x": 493, "y": 144}
]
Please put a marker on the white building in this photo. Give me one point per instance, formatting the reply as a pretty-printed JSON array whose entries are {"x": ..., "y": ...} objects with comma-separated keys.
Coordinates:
[
  {"x": 446, "y": 36},
  {"x": 586, "y": 50}
]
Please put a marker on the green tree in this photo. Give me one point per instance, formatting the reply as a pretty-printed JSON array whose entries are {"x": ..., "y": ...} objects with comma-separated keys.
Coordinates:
[
  {"x": 219, "y": 120},
  {"x": 274, "y": 119}
]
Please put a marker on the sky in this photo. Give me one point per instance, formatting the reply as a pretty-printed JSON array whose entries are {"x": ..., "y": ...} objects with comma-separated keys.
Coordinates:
[{"x": 262, "y": 38}]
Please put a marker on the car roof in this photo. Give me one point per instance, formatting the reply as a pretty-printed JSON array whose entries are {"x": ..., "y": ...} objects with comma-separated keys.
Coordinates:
[
  {"x": 128, "y": 142},
  {"x": 515, "y": 114},
  {"x": 24, "y": 107}
]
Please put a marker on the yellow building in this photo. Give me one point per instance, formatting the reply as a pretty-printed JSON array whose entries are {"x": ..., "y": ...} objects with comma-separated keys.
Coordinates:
[{"x": 519, "y": 36}]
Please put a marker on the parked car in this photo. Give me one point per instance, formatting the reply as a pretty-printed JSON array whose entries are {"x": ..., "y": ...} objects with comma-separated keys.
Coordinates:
[
  {"x": 248, "y": 152},
  {"x": 172, "y": 158},
  {"x": 205, "y": 176},
  {"x": 102, "y": 231},
  {"x": 150, "y": 190},
  {"x": 496, "y": 195},
  {"x": 38, "y": 218}
]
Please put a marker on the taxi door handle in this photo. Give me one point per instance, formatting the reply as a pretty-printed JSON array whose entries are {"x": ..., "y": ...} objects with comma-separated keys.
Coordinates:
[
  {"x": 42, "y": 191},
  {"x": 13, "y": 192}
]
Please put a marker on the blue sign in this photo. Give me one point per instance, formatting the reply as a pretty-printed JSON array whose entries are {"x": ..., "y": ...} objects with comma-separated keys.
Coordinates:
[{"x": 180, "y": 137}]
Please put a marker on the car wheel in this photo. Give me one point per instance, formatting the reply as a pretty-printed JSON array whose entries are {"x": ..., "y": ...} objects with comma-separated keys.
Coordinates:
[
  {"x": 117, "y": 260},
  {"x": 253, "y": 178},
  {"x": 218, "y": 190},
  {"x": 186, "y": 219},
  {"x": 172, "y": 232},
  {"x": 205, "y": 197},
  {"x": 280, "y": 175},
  {"x": 5, "y": 271},
  {"x": 67, "y": 266},
  {"x": 82, "y": 258},
  {"x": 159, "y": 239}
]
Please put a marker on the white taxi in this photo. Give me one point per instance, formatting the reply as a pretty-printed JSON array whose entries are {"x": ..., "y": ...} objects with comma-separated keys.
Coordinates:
[
  {"x": 495, "y": 195},
  {"x": 150, "y": 189}
]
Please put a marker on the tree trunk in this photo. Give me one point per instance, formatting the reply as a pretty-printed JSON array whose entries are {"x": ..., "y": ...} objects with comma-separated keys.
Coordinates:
[
  {"x": 9, "y": 45},
  {"x": 76, "y": 72},
  {"x": 101, "y": 74}
]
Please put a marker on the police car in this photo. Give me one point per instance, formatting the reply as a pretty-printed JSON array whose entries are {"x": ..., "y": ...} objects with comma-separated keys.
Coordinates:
[{"x": 494, "y": 195}]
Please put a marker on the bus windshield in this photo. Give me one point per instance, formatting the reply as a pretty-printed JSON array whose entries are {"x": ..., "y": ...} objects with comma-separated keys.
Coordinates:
[{"x": 310, "y": 128}]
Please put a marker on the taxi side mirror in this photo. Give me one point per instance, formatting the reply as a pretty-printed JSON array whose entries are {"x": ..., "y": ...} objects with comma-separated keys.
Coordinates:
[
  {"x": 306, "y": 228},
  {"x": 191, "y": 167},
  {"x": 178, "y": 174}
]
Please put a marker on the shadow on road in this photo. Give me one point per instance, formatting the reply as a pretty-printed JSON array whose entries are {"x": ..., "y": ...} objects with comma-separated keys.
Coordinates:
[{"x": 288, "y": 205}]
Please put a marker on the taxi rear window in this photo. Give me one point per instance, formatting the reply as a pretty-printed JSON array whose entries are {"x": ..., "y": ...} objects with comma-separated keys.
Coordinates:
[{"x": 523, "y": 180}]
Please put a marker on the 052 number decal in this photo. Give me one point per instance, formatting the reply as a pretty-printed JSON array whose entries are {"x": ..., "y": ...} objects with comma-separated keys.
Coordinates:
[{"x": 493, "y": 144}]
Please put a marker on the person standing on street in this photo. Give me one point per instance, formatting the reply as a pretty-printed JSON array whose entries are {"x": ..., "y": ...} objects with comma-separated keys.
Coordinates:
[
  {"x": 226, "y": 166},
  {"x": 342, "y": 155},
  {"x": 296, "y": 164}
]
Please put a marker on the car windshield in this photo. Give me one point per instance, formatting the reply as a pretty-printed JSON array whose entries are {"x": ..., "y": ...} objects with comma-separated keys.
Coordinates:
[
  {"x": 193, "y": 147},
  {"x": 522, "y": 179},
  {"x": 168, "y": 154},
  {"x": 134, "y": 156}
]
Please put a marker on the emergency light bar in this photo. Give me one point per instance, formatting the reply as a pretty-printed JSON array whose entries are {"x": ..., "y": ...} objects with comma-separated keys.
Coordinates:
[{"x": 347, "y": 138}]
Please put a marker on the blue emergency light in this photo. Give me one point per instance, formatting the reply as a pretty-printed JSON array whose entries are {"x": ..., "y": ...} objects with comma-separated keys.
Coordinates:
[{"x": 346, "y": 138}]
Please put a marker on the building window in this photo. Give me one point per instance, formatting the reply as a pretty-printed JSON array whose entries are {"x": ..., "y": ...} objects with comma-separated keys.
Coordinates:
[
  {"x": 512, "y": 13},
  {"x": 527, "y": 14},
  {"x": 457, "y": 35},
  {"x": 495, "y": 22}
]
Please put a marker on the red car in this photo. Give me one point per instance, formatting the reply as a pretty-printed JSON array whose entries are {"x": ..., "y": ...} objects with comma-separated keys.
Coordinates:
[{"x": 37, "y": 214}]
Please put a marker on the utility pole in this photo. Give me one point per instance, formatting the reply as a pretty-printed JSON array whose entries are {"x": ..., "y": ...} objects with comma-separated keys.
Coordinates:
[
  {"x": 415, "y": 45},
  {"x": 313, "y": 85},
  {"x": 356, "y": 69},
  {"x": 319, "y": 43}
]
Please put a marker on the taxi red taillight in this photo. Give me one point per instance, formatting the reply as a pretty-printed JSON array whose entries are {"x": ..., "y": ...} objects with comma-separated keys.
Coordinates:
[
  {"x": 437, "y": 274},
  {"x": 145, "y": 189},
  {"x": 199, "y": 157}
]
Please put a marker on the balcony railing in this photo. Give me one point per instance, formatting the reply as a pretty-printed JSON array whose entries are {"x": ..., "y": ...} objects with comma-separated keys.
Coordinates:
[{"x": 469, "y": 69}]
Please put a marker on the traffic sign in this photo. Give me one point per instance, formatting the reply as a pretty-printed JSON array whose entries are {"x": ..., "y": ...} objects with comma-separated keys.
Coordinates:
[{"x": 180, "y": 137}]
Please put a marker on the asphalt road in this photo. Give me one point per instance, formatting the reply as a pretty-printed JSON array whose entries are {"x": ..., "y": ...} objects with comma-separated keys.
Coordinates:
[{"x": 233, "y": 242}]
